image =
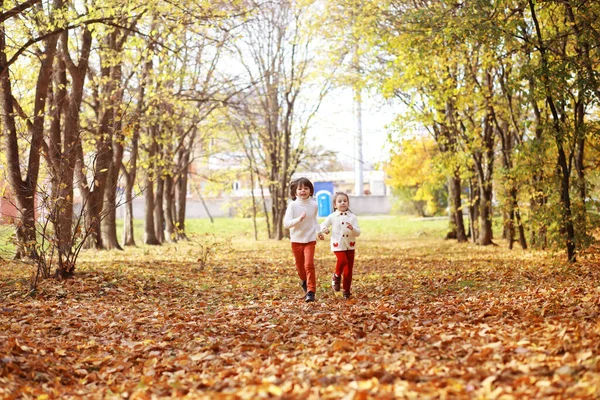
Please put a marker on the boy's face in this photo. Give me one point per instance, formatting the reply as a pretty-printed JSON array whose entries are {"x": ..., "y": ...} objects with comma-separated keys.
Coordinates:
[
  {"x": 341, "y": 203},
  {"x": 303, "y": 192}
]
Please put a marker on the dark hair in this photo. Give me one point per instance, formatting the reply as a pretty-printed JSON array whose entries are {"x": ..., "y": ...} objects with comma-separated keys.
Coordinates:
[
  {"x": 338, "y": 194},
  {"x": 301, "y": 182}
]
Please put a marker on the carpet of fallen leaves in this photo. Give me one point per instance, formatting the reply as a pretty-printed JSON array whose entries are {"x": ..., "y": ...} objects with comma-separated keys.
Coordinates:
[{"x": 428, "y": 319}]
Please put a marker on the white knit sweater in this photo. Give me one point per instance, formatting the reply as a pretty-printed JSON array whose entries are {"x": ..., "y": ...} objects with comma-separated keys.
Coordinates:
[{"x": 304, "y": 231}]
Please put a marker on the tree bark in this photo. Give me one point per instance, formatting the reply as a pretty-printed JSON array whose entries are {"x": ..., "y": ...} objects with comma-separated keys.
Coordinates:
[
  {"x": 150, "y": 236},
  {"x": 159, "y": 218},
  {"x": 128, "y": 230},
  {"x": 484, "y": 164},
  {"x": 564, "y": 170},
  {"x": 168, "y": 207},
  {"x": 115, "y": 100},
  {"x": 456, "y": 214},
  {"x": 108, "y": 104},
  {"x": 68, "y": 160},
  {"x": 181, "y": 188},
  {"x": 25, "y": 190},
  {"x": 130, "y": 172},
  {"x": 474, "y": 200}
]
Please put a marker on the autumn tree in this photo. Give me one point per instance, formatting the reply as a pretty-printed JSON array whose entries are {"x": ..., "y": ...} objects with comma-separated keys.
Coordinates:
[
  {"x": 16, "y": 38},
  {"x": 406, "y": 66},
  {"x": 510, "y": 79},
  {"x": 412, "y": 174},
  {"x": 277, "y": 54}
]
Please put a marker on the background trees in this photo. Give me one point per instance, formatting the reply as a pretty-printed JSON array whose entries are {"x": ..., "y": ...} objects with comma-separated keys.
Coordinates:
[
  {"x": 277, "y": 52},
  {"x": 99, "y": 100},
  {"x": 506, "y": 88}
]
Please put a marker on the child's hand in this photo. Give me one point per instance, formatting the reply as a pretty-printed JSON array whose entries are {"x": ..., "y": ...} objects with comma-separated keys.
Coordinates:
[
  {"x": 326, "y": 231},
  {"x": 302, "y": 216},
  {"x": 349, "y": 226},
  {"x": 320, "y": 236}
]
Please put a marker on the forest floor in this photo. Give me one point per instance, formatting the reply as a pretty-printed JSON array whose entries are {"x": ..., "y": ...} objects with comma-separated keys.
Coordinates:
[{"x": 428, "y": 319}]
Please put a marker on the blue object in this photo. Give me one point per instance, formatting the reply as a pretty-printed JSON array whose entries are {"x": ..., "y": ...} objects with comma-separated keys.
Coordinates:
[
  {"x": 324, "y": 203},
  {"x": 327, "y": 186}
]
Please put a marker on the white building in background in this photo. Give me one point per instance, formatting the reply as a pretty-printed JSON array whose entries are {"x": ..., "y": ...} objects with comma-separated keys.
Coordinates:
[
  {"x": 344, "y": 181},
  {"x": 376, "y": 197}
]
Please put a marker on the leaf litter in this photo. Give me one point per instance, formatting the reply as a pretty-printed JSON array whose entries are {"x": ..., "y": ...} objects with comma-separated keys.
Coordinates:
[{"x": 428, "y": 319}]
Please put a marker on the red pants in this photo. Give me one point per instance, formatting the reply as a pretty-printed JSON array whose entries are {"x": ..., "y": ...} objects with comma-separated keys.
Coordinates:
[
  {"x": 304, "y": 253},
  {"x": 343, "y": 267}
]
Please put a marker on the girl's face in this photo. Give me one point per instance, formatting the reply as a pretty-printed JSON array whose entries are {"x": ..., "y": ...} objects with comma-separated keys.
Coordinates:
[
  {"x": 303, "y": 192},
  {"x": 341, "y": 203}
]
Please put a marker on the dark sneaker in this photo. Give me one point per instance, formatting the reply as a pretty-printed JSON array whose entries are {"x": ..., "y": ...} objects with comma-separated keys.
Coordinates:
[
  {"x": 347, "y": 295},
  {"x": 303, "y": 284},
  {"x": 335, "y": 282},
  {"x": 310, "y": 296}
]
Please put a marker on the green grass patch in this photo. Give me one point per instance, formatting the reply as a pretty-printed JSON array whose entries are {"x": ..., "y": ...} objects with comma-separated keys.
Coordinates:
[
  {"x": 406, "y": 227},
  {"x": 220, "y": 227},
  {"x": 7, "y": 247},
  {"x": 382, "y": 227}
]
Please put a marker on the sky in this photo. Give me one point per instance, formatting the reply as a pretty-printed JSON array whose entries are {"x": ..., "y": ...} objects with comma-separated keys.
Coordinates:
[{"x": 335, "y": 126}]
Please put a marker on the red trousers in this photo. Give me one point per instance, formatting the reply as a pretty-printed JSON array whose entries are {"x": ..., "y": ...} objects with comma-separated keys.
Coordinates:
[
  {"x": 304, "y": 254},
  {"x": 343, "y": 267}
]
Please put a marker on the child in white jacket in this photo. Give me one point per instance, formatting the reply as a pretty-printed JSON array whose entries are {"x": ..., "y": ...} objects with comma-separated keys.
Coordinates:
[{"x": 344, "y": 231}]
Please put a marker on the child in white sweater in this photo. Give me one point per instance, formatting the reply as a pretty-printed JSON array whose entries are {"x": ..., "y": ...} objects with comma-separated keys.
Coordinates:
[
  {"x": 344, "y": 231},
  {"x": 301, "y": 219}
]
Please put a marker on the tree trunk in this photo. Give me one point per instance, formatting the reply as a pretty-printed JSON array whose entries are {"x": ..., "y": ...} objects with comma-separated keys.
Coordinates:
[
  {"x": 104, "y": 154},
  {"x": 149, "y": 228},
  {"x": 168, "y": 215},
  {"x": 109, "y": 222},
  {"x": 456, "y": 215},
  {"x": 539, "y": 198},
  {"x": 579, "y": 158},
  {"x": 566, "y": 202},
  {"x": 484, "y": 206},
  {"x": 516, "y": 217},
  {"x": 522, "y": 239},
  {"x": 128, "y": 230},
  {"x": 278, "y": 209},
  {"x": 150, "y": 236},
  {"x": 68, "y": 156},
  {"x": 25, "y": 190},
  {"x": 265, "y": 208},
  {"x": 181, "y": 189},
  {"x": 485, "y": 217},
  {"x": 159, "y": 219},
  {"x": 130, "y": 173},
  {"x": 115, "y": 98},
  {"x": 95, "y": 197},
  {"x": 254, "y": 205},
  {"x": 565, "y": 172},
  {"x": 509, "y": 225},
  {"x": 508, "y": 138},
  {"x": 474, "y": 200}
]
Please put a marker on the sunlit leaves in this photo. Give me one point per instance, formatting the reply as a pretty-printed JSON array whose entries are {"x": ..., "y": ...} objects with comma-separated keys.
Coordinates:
[
  {"x": 429, "y": 318},
  {"x": 412, "y": 173}
]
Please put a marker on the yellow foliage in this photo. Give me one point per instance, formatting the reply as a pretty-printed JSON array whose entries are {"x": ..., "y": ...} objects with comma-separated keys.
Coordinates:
[{"x": 411, "y": 164}]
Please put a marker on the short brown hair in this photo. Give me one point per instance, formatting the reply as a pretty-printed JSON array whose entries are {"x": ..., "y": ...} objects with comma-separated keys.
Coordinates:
[{"x": 301, "y": 182}]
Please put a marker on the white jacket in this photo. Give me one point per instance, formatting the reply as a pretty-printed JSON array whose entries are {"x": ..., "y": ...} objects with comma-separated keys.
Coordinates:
[
  {"x": 304, "y": 231},
  {"x": 342, "y": 238}
]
